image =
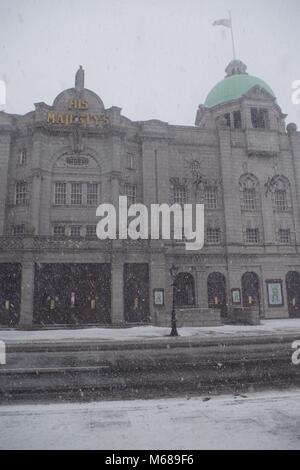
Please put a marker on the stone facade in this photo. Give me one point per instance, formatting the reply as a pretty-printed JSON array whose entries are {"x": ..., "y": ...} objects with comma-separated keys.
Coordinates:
[{"x": 59, "y": 162}]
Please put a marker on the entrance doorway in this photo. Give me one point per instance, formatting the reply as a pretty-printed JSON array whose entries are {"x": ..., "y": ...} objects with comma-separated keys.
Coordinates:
[
  {"x": 136, "y": 292},
  {"x": 216, "y": 292},
  {"x": 293, "y": 293},
  {"x": 72, "y": 294},
  {"x": 184, "y": 290},
  {"x": 10, "y": 293},
  {"x": 251, "y": 290}
]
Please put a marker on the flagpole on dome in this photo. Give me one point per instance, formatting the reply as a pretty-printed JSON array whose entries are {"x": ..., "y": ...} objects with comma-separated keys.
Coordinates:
[
  {"x": 227, "y": 23},
  {"x": 232, "y": 37}
]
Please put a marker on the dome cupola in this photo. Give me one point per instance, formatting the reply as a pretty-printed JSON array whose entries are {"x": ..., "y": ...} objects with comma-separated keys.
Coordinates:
[{"x": 236, "y": 83}]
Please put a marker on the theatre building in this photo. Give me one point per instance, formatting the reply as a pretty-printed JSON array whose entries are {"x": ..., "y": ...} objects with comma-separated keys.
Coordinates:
[{"x": 60, "y": 161}]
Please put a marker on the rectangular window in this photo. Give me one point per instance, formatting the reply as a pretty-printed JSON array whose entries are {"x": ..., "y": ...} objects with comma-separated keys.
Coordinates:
[
  {"x": 130, "y": 161},
  {"x": 60, "y": 195},
  {"x": 252, "y": 236},
  {"x": 18, "y": 230},
  {"x": 259, "y": 118},
  {"x": 75, "y": 231},
  {"x": 213, "y": 236},
  {"x": 76, "y": 194},
  {"x": 23, "y": 157},
  {"x": 59, "y": 230},
  {"x": 211, "y": 197},
  {"x": 92, "y": 194},
  {"x": 237, "y": 120},
  {"x": 180, "y": 195},
  {"x": 284, "y": 236},
  {"x": 281, "y": 200},
  {"x": 91, "y": 231},
  {"x": 130, "y": 192},
  {"x": 249, "y": 199},
  {"x": 21, "y": 193}
]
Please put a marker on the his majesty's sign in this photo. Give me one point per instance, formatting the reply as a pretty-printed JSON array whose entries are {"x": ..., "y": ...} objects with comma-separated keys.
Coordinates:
[{"x": 77, "y": 116}]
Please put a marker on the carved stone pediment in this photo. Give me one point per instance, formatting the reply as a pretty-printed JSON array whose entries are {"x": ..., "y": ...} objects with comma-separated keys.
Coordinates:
[{"x": 259, "y": 93}]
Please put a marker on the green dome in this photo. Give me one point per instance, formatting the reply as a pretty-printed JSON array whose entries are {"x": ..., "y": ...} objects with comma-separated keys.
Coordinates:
[{"x": 233, "y": 87}]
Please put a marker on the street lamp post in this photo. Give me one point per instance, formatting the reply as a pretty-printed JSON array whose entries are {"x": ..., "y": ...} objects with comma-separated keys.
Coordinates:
[{"x": 173, "y": 273}]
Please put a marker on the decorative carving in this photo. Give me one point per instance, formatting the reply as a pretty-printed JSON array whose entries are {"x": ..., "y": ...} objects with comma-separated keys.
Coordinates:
[
  {"x": 11, "y": 243},
  {"x": 76, "y": 140}
]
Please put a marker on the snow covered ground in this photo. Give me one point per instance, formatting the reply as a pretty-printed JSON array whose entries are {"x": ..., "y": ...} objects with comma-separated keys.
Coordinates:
[
  {"x": 265, "y": 420},
  {"x": 142, "y": 333}
]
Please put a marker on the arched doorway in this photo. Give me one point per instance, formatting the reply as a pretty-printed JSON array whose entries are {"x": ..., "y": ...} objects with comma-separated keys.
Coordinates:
[
  {"x": 216, "y": 292},
  {"x": 184, "y": 289},
  {"x": 251, "y": 290},
  {"x": 293, "y": 293}
]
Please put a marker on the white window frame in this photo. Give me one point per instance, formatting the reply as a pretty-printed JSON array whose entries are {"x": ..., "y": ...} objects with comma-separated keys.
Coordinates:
[
  {"x": 76, "y": 196},
  {"x": 21, "y": 193},
  {"x": 62, "y": 195},
  {"x": 92, "y": 194},
  {"x": 131, "y": 193},
  {"x": 180, "y": 194}
]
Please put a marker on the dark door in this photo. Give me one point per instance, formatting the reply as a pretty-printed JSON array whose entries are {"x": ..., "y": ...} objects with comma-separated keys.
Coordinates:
[
  {"x": 50, "y": 294},
  {"x": 72, "y": 293},
  {"x": 216, "y": 292},
  {"x": 10, "y": 293},
  {"x": 251, "y": 290},
  {"x": 184, "y": 290},
  {"x": 293, "y": 293},
  {"x": 90, "y": 293},
  {"x": 136, "y": 293}
]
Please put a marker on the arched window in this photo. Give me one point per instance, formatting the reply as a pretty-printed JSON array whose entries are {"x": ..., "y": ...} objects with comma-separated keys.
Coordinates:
[
  {"x": 184, "y": 289},
  {"x": 249, "y": 187},
  {"x": 281, "y": 194}
]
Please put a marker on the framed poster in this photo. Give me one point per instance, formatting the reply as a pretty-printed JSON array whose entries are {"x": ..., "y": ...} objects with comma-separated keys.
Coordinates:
[
  {"x": 275, "y": 295},
  {"x": 159, "y": 297},
  {"x": 236, "y": 296}
]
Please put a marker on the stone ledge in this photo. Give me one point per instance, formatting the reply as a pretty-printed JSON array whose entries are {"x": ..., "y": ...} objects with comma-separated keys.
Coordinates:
[{"x": 192, "y": 317}]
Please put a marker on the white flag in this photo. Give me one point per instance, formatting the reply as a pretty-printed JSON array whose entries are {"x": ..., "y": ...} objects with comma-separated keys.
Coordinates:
[{"x": 223, "y": 22}]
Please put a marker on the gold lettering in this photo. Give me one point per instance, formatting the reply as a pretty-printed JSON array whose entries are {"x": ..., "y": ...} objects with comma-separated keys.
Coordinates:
[
  {"x": 60, "y": 119},
  {"x": 105, "y": 119},
  {"x": 73, "y": 104},
  {"x": 83, "y": 104},
  {"x": 51, "y": 118},
  {"x": 97, "y": 119},
  {"x": 78, "y": 104},
  {"x": 82, "y": 119}
]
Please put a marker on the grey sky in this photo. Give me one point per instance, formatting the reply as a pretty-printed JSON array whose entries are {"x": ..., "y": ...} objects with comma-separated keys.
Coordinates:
[{"x": 153, "y": 58}]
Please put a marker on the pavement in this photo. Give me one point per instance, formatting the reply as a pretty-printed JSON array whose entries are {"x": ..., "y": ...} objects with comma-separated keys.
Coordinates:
[
  {"x": 144, "y": 334},
  {"x": 267, "y": 420}
]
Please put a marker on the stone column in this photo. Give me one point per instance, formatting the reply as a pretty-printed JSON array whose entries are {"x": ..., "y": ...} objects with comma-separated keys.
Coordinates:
[
  {"x": 201, "y": 288},
  {"x": 117, "y": 283},
  {"x": 27, "y": 291},
  {"x": 35, "y": 201},
  {"x": 5, "y": 140},
  {"x": 35, "y": 190},
  {"x": 157, "y": 280}
]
